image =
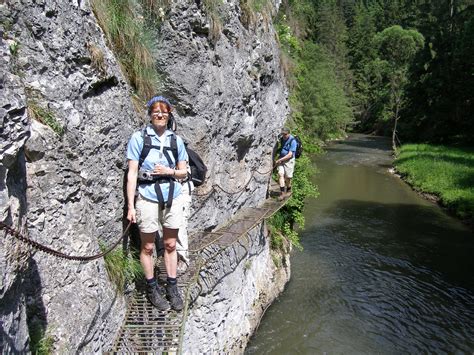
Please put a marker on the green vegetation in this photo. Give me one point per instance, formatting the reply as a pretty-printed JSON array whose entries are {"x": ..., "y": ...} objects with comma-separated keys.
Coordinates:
[
  {"x": 14, "y": 46},
  {"x": 122, "y": 268},
  {"x": 214, "y": 12},
  {"x": 396, "y": 49},
  {"x": 436, "y": 93},
  {"x": 401, "y": 68},
  {"x": 319, "y": 103},
  {"x": 282, "y": 224},
  {"x": 320, "y": 107},
  {"x": 45, "y": 116},
  {"x": 446, "y": 172},
  {"x": 40, "y": 343},
  {"x": 132, "y": 41}
]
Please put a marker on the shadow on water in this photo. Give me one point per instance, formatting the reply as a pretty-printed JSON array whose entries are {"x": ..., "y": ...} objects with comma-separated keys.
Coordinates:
[
  {"x": 366, "y": 142},
  {"x": 418, "y": 234}
]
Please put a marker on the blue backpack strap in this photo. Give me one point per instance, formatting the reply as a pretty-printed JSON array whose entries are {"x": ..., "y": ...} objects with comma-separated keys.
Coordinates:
[
  {"x": 174, "y": 150},
  {"x": 159, "y": 194},
  {"x": 287, "y": 143},
  {"x": 146, "y": 147}
]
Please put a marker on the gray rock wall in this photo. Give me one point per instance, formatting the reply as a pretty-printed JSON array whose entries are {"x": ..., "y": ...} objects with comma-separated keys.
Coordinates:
[
  {"x": 63, "y": 188},
  {"x": 231, "y": 101},
  {"x": 232, "y": 292}
]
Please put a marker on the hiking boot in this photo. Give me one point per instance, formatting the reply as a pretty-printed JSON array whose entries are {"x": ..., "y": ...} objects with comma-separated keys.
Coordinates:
[
  {"x": 156, "y": 296},
  {"x": 161, "y": 290},
  {"x": 282, "y": 196},
  {"x": 173, "y": 296}
]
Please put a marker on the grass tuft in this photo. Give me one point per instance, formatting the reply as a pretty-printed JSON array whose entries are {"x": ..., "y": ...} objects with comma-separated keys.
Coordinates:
[
  {"x": 40, "y": 343},
  {"x": 97, "y": 58},
  {"x": 214, "y": 12},
  {"x": 45, "y": 116},
  {"x": 250, "y": 9},
  {"x": 132, "y": 40},
  {"x": 122, "y": 268}
]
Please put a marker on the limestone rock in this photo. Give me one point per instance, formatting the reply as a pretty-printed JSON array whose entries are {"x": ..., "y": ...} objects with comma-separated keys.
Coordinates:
[{"x": 66, "y": 120}]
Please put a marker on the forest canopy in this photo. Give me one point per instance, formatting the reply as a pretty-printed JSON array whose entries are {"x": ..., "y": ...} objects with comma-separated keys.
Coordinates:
[{"x": 394, "y": 67}]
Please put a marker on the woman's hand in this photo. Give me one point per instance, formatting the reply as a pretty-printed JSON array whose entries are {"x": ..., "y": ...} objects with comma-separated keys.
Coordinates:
[
  {"x": 162, "y": 170},
  {"x": 132, "y": 215}
]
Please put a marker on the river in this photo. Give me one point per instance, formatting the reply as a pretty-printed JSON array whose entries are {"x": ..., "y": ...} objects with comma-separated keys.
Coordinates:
[{"x": 382, "y": 271}]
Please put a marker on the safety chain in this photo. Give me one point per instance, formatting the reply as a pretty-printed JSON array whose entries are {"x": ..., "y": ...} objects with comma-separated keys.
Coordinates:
[
  {"x": 59, "y": 254},
  {"x": 213, "y": 187},
  {"x": 56, "y": 253}
]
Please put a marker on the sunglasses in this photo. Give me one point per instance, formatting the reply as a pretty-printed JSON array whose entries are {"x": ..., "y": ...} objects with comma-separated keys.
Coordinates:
[{"x": 159, "y": 115}]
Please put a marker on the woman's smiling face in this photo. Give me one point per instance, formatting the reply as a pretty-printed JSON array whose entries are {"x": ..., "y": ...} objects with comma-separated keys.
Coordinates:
[{"x": 159, "y": 115}]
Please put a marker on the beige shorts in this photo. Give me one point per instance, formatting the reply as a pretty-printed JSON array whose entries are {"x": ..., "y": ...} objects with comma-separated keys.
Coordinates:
[
  {"x": 150, "y": 216},
  {"x": 287, "y": 168}
]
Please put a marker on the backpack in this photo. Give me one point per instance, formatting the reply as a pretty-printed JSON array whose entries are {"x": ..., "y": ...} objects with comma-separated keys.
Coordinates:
[
  {"x": 299, "y": 146},
  {"x": 198, "y": 168}
]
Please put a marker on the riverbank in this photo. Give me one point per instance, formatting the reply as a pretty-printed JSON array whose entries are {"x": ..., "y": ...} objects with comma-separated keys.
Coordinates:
[{"x": 443, "y": 172}]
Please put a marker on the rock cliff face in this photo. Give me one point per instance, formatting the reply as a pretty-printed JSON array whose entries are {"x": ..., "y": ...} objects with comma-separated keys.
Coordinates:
[
  {"x": 63, "y": 186},
  {"x": 233, "y": 289}
]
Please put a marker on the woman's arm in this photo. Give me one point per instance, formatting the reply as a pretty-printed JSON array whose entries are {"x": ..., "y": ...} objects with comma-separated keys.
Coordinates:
[{"x": 131, "y": 187}]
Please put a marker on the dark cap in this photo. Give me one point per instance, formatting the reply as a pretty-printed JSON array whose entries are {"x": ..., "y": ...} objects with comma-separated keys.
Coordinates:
[{"x": 156, "y": 99}]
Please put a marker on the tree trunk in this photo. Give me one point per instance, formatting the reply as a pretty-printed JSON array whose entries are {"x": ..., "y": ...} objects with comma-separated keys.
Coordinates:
[{"x": 396, "y": 117}]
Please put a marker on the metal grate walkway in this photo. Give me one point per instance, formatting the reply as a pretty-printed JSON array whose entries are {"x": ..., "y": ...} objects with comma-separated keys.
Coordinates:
[{"x": 148, "y": 330}]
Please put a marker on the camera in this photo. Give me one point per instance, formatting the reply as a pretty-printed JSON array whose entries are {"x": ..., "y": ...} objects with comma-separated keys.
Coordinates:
[{"x": 145, "y": 175}]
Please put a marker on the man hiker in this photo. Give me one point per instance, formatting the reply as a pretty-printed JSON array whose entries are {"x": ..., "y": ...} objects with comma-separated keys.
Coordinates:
[
  {"x": 286, "y": 162},
  {"x": 183, "y": 237},
  {"x": 159, "y": 203}
]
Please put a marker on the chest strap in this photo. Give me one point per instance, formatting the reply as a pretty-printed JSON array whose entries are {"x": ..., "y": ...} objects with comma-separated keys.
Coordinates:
[{"x": 159, "y": 194}]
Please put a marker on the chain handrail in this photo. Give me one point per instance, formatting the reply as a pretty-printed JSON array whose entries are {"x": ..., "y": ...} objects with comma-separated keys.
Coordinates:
[
  {"x": 62, "y": 255},
  {"x": 214, "y": 186},
  {"x": 57, "y": 253}
]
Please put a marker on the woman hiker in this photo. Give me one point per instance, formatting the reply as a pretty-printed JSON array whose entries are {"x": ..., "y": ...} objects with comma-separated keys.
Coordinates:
[{"x": 159, "y": 202}]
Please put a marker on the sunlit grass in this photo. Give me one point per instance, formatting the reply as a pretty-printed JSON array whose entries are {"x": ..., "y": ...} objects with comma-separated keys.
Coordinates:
[
  {"x": 447, "y": 172},
  {"x": 132, "y": 41},
  {"x": 122, "y": 268}
]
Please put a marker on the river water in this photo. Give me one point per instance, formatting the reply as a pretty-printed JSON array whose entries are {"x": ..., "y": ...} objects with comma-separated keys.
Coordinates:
[{"x": 382, "y": 271}]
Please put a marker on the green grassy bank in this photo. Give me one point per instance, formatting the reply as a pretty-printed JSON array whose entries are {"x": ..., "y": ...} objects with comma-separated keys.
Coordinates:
[{"x": 446, "y": 172}]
